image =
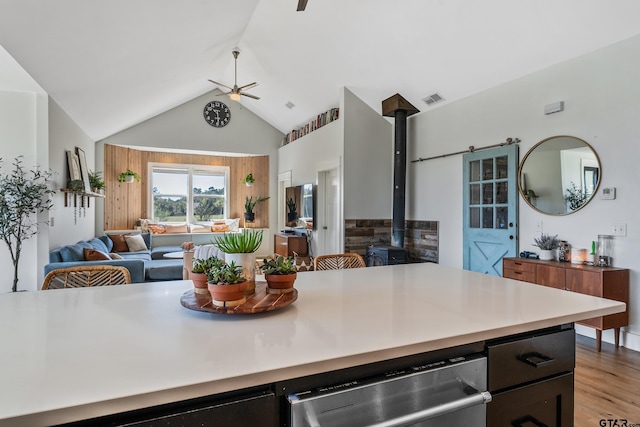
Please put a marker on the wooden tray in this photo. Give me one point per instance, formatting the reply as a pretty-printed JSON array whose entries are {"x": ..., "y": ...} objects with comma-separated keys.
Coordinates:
[{"x": 259, "y": 302}]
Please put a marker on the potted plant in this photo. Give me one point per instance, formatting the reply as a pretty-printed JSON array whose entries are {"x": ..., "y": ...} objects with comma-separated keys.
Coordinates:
[
  {"x": 240, "y": 248},
  {"x": 22, "y": 195},
  {"x": 198, "y": 273},
  {"x": 129, "y": 176},
  {"x": 248, "y": 180},
  {"x": 576, "y": 197},
  {"x": 292, "y": 215},
  {"x": 280, "y": 274},
  {"x": 249, "y": 204},
  {"x": 547, "y": 243},
  {"x": 96, "y": 182},
  {"x": 226, "y": 284}
]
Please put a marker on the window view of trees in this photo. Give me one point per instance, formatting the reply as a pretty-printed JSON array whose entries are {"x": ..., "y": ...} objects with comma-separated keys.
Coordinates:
[{"x": 185, "y": 194}]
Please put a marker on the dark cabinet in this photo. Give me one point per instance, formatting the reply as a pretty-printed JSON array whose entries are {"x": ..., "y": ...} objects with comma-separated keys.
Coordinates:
[{"x": 530, "y": 378}]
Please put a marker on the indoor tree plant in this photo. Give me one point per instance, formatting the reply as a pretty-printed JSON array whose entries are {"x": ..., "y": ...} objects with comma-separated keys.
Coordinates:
[
  {"x": 240, "y": 248},
  {"x": 23, "y": 195},
  {"x": 226, "y": 284},
  {"x": 249, "y": 204},
  {"x": 547, "y": 244},
  {"x": 280, "y": 274},
  {"x": 129, "y": 176}
]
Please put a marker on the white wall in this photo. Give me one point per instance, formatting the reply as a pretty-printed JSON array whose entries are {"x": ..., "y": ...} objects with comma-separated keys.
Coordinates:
[
  {"x": 602, "y": 101},
  {"x": 23, "y": 115},
  {"x": 184, "y": 127},
  {"x": 64, "y": 134},
  {"x": 368, "y": 161}
]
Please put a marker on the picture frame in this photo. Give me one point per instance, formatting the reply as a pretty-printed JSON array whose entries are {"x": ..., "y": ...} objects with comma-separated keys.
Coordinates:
[
  {"x": 74, "y": 166},
  {"x": 84, "y": 170}
]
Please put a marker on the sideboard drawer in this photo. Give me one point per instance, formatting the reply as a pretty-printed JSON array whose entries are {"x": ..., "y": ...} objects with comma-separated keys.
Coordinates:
[
  {"x": 530, "y": 359},
  {"x": 522, "y": 267},
  {"x": 525, "y": 276}
]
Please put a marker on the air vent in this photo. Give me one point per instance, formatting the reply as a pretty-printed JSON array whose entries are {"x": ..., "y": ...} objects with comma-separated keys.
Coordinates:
[
  {"x": 289, "y": 105},
  {"x": 432, "y": 99}
]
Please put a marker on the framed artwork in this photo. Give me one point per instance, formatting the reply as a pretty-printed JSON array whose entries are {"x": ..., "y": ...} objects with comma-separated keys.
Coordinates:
[
  {"x": 84, "y": 171},
  {"x": 74, "y": 166}
]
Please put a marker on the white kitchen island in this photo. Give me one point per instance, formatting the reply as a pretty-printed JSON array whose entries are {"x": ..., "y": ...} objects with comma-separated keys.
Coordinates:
[{"x": 74, "y": 354}]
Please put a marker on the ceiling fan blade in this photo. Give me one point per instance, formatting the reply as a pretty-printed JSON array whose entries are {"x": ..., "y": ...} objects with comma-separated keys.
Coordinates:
[
  {"x": 219, "y": 84},
  {"x": 223, "y": 93},
  {"x": 302, "y": 4},
  {"x": 249, "y": 86},
  {"x": 249, "y": 95}
]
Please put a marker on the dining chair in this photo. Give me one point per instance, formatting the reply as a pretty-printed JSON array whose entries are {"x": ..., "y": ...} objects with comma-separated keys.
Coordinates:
[
  {"x": 85, "y": 276},
  {"x": 338, "y": 261}
]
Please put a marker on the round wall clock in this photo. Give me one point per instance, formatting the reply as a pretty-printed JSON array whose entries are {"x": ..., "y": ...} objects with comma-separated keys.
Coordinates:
[{"x": 217, "y": 114}]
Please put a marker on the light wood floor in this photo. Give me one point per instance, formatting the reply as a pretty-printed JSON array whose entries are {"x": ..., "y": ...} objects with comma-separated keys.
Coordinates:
[{"x": 607, "y": 384}]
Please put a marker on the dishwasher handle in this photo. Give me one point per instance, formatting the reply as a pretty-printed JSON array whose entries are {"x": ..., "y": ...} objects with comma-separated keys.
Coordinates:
[{"x": 479, "y": 398}]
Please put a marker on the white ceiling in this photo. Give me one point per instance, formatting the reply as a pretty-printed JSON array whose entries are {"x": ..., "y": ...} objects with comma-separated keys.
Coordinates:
[{"x": 112, "y": 64}]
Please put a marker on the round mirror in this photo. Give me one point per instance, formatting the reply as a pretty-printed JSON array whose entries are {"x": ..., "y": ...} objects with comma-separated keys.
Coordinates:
[{"x": 559, "y": 175}]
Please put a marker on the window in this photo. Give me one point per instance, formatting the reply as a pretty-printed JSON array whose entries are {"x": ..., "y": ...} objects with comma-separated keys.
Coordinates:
[{"x": 188, "y": 193}]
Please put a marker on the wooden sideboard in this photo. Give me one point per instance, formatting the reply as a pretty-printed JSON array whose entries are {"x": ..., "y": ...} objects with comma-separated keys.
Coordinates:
[
  {"x": 605, "y": 282},
  {"x": 287, "y": 244}
]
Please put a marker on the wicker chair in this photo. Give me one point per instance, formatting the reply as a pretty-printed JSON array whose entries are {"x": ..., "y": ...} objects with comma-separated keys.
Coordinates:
[
  {"x": 338, "y": 262},
  {"x": 91, "y": 275}
]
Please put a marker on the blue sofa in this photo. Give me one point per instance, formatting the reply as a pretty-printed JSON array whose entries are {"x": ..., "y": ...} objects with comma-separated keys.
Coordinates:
[{"x": 143, "y": 266}]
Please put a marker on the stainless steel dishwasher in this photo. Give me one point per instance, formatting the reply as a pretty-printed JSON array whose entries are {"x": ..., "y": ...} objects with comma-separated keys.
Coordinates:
[{"x": 451, "y": 393}]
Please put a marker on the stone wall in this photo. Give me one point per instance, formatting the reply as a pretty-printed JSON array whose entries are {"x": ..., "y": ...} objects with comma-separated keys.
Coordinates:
[{"x": 421, "y": 237}]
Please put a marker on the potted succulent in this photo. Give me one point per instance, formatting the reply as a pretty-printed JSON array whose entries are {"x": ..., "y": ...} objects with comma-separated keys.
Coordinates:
[
  {"x": 240, "y": 248},
  {"x": 226, "y": 284},
  {"x": 96, "y": 182},
  {"x": 198, "y": 273},
  {"x": 129, "y": 176},
  {"x": 547, "y": 244},
  {"x": 292, "y": 215},
  {"x": 248, "y": 180},
  {"x": 249, "y": 204},
  {"x": 280, "y": 274}
]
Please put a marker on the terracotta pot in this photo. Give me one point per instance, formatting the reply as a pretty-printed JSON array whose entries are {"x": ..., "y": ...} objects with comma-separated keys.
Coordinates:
[
  {"x": 227, "y": 295},
  {"x": 280, "y": 283},
  {"x": 199, "y": 282}
]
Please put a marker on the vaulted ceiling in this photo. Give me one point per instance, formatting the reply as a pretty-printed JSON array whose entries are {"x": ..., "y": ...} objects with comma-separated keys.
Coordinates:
[{"x": 113, "y": 64}]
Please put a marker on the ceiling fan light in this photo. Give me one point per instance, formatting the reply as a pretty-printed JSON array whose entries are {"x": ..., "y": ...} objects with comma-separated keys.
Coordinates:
[{"x": 234, "y": 96}]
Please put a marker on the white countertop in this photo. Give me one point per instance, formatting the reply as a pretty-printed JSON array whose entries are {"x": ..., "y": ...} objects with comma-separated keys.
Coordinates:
[{"x": 78, "y": 353}]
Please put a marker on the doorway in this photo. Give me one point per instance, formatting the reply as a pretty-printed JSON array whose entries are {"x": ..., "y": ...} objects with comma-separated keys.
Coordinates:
[
  {"x": 490, "y": 208},
  {"x": 329, "y": 227}
]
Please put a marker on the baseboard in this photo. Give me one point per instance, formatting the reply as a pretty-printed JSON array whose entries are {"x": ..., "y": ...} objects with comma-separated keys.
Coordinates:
[{"x": 627, "y": 339}]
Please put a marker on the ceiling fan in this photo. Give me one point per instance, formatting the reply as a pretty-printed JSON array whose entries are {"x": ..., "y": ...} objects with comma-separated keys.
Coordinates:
[{"x": 235, "y": 91}]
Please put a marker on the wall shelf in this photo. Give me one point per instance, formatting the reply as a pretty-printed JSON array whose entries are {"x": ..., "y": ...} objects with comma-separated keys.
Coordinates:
[{"x": 83, "y": 197}]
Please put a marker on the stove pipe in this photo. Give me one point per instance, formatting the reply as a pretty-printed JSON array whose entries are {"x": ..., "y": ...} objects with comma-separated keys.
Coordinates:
[{"x": 399, "y": 108}]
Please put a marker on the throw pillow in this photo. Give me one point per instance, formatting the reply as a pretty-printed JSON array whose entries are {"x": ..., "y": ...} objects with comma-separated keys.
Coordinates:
[
  {"x": 94, "y": 255},
  {"x": 219, "y": 227},
  {"x": 114, "y": 255},
  {"x": 198, "y": 228},
  {"x": 156, "y": 228},
  {"x": 175, "y": 228},
  {"x": 135, "y": 243},
  {"x": 234, "y": 224},
  {"x": 119, "y": 243}
]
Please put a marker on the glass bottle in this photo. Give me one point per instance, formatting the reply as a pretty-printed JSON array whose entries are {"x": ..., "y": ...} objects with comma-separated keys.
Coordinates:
[{"x": 605, "y": 246}]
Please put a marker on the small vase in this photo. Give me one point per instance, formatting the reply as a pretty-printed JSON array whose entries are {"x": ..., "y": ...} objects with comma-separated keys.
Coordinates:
[
  {"x": 199, "y": 282},
  {"x": 546, "y": 254},
  {"x": 280, "y": 283},
  {"x": 248, "y": 263},
  {"x": 227, "y": 295},
  {"x": 249, "y": 216}
]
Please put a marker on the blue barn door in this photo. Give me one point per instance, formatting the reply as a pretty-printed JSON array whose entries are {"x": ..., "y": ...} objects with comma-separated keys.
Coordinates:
[{"x": 490, "y": 208}]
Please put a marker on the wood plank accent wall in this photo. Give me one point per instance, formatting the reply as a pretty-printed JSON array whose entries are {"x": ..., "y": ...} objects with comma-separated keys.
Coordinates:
[{"x": 125, "y": 203}]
